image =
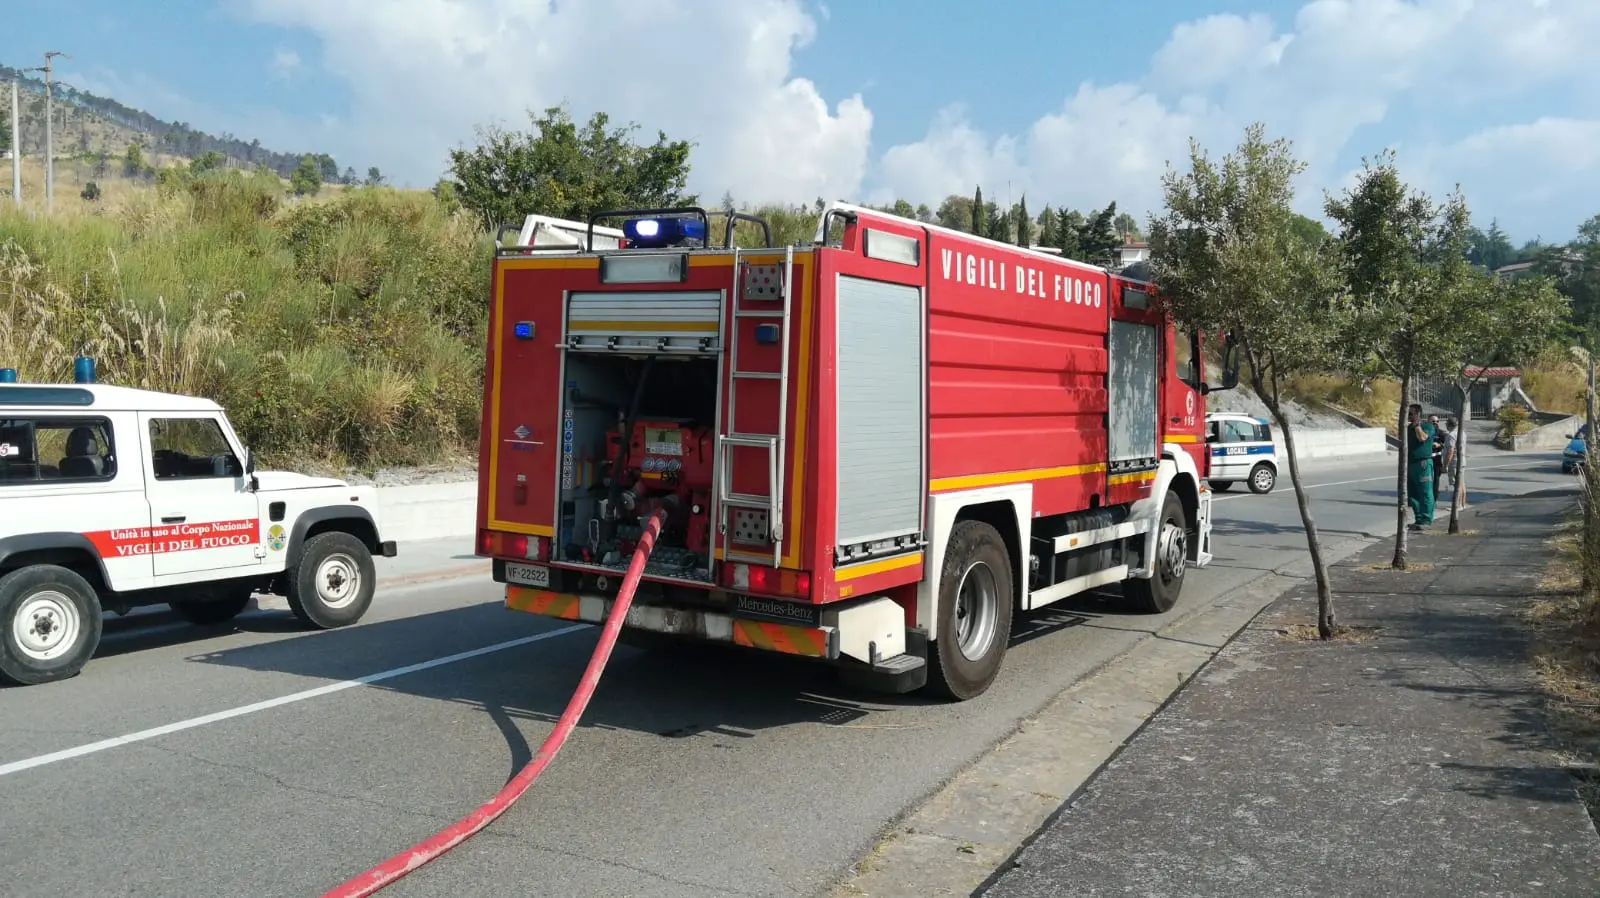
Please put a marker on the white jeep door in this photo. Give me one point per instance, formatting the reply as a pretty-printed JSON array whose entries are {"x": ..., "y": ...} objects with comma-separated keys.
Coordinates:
[{"x": 203, "y": 517}]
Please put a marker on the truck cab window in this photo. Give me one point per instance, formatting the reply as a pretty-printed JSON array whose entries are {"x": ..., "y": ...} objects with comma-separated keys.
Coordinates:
[
  {"x": 1183, "y": 357},
  {"x": 190, "y": 448}
]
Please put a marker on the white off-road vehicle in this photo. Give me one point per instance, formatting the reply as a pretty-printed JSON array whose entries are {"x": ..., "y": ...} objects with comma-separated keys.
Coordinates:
[{"x": 113, "y": 498}]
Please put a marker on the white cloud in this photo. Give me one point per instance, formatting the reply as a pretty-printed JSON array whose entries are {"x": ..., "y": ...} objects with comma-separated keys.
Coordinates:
[
  {"x": 285, "y": 64},
  {"x": 1343, "y": 66},
  {"x": 426, "y": 72}
]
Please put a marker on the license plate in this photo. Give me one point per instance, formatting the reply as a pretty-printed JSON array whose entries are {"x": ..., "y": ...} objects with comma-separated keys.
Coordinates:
[{"x": 528, "y": 574}]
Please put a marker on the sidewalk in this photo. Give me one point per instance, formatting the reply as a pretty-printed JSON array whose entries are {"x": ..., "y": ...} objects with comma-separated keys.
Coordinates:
[{"x": 1410, "y": 760}]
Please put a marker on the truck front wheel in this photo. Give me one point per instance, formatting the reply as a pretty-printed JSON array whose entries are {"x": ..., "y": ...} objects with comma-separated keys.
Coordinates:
[
  {"x": 975, "y": 602},
  {"x": 51, "y": 624},
  {"x": 332, "y": 583},
  {"x": 1158, "y": 594}
]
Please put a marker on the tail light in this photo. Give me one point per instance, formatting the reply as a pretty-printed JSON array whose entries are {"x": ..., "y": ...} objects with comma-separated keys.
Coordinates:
[
  {"x": 766, "y": 581},
  {"x": 495, "y": 544}
]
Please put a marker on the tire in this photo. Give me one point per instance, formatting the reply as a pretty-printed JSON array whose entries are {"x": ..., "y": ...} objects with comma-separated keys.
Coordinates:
[
  {"x": 962, "y": 665},
  {"x": 1263, "y": 478},
  {"x": 1159, "y": 593},
  {"x": 220, "y": 605},
  {"x": 331, "y": 586},
  {"x": 1221, "y": 486},
  {"x": 50, "y": 623}
]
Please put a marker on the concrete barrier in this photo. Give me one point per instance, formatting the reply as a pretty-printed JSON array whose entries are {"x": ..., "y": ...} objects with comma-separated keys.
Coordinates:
[
  {"x": 1553, "y": 435},
  {"x": 428, "y": 511},
  {"x": 1340, "y": 443}
]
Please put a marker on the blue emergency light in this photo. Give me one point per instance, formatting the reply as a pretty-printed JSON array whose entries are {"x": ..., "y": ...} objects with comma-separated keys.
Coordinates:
[{"x": 652, "y": 233}]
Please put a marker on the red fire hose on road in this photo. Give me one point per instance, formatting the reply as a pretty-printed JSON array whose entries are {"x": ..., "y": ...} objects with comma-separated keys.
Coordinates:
[{"x": 403, "y": 863}]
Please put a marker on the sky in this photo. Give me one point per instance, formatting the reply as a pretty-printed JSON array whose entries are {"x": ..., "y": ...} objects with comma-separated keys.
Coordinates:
[{"x": 1068, "y": 102}]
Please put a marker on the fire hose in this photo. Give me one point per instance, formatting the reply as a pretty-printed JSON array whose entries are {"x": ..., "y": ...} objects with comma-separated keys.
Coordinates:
[{"x": 414, "y": 857}]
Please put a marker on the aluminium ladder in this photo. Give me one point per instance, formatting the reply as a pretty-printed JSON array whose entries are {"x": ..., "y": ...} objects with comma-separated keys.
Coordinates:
[{"x": 775, "y": 444}]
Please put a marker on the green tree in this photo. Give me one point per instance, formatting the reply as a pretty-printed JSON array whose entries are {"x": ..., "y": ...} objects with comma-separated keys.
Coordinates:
[
  {"x": 1024, "y": 223},
  {"x": 1071, "y": 228},
  {"x": 979, "y": 226},
  {"x": 567, "y": 171},
  {"x": 133, "y": 164},
  {"x": 954, "y": 213},
  {"x": 210, "y": 161},
  {"x": 1308, "y": 230},
  {"x": 1405, "y": 261},
  {"x": 1127, "y": 227},
  {"x": 997, "y": 223},
  {"x": 1507, "y": 323},
  {"x": 1048, "y": 233},
  {"x": 306, "y": 179},
  {"x": 1575, "y": 270},
  {"x": 1097, "y": 239},
  {"x": 1492, "y": 249},
  {"x": 1226, "y": 256},
  {"x": 374, "y": 176}
]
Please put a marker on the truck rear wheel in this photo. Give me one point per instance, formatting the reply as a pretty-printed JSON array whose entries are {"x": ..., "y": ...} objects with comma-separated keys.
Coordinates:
[
  {"x": 974, "y": 612},
  {"x": 1159, "y": 593},
  {"x": 331, "y": 585},
  {"x": 51, "y": 624}
]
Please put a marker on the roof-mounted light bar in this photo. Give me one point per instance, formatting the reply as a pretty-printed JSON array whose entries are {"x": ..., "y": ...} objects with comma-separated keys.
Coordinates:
[{"x": 657, "y": 228}]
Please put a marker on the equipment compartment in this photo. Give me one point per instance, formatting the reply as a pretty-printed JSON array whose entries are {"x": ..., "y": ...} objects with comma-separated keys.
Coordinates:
[{"x": 610, "y": 486}]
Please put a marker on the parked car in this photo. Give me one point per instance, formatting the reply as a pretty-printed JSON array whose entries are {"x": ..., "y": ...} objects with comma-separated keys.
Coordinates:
[
  {"x": 1573, "y": 455},
  {"x": 1241, "y": 449},
  {"x": 112, "y": 498}
]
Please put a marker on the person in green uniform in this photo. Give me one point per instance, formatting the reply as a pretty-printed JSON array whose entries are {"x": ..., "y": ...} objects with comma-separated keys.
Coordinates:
[{"x": 1419, "y": 468}]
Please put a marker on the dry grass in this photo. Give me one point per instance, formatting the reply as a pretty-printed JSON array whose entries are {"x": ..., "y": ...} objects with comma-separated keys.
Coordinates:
[
  {"x": 1384, "y": 567},
  {"x": 1555, "y": 382},
  {"x": 1376, "y": 402},
  {"x": 343, "y": 331},
  {"x": 1341, "y": 633},
  {"x": 1566, "y": 626}
]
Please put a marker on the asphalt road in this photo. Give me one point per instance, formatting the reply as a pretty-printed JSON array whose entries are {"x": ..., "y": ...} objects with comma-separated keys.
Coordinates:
[{"x": 272, "y": 773}]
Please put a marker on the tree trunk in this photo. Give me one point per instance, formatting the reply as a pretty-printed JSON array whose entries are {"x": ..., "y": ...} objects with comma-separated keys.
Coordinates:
[
  {"x": 1458, "y": 492},
  {"x": 1400, "y": 562},
  {"x": 1319, "y": 565},
  {"x": 1590, "y": 540}
]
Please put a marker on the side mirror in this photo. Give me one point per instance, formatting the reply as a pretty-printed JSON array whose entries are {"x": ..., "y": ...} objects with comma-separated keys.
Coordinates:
[
  {"x": 1230, "y": 362},
  {"x": 250, "y": 468}
]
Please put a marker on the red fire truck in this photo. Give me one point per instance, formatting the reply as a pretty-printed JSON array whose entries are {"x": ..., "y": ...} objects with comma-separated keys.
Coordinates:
[{"x": 872, "y": 449}]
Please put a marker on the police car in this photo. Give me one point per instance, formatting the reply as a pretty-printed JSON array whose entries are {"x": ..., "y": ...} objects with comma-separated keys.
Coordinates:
[
  {"x": 1241, "y": 449},
  {"x": 113, "y": 498}
]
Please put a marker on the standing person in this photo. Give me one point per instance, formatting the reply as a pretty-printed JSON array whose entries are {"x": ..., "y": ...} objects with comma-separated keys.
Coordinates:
[
  {"x": 1445, "y": 460},
  {"x": 1419, "y": 479}
]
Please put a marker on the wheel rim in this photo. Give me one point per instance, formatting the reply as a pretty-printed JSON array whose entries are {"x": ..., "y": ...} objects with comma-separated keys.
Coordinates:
[
  {"x": 1173, "y": 552},
  {"x": 977, "y": 609},
  {"x": 338, "y": 581},
  {"x": 1263, "y": 479},
  {"x": 46, "y": 625}
]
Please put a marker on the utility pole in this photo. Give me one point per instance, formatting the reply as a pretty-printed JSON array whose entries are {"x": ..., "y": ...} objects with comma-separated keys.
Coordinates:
[
  {"x": 49, "y": 147},
  {"x": 16, "y": 145}
]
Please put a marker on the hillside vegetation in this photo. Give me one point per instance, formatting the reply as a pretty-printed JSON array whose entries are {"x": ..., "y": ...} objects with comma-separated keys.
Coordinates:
[{"x": 344, "y": 330}]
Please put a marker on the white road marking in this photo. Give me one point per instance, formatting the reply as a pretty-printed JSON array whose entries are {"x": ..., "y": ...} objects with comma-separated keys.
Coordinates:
[
  {"x": 1311, "y": 486},
  {"x": 191, "y": 723}
]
